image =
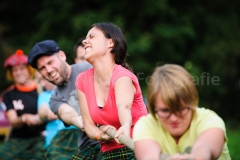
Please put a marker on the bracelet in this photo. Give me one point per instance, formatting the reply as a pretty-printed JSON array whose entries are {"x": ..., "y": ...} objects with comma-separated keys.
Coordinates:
[{"x": 98, "y": 138}]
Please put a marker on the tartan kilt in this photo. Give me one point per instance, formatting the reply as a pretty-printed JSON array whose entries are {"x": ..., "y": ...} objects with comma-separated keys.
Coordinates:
[
  {"x": 23, "y": 149},
  {"x": 63, "y": 145},
  {"x": 88, "y": 153},
  {"x": 124, "y": 153}
]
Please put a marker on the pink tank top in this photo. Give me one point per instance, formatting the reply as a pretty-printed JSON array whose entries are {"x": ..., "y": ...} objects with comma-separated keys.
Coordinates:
[{"x": 108, "y": 115}]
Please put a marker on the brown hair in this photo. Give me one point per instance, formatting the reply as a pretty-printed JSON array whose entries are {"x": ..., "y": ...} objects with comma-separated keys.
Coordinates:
[
  {"x": 119, "y": 49},
  {"x": 176, "y": 87}
]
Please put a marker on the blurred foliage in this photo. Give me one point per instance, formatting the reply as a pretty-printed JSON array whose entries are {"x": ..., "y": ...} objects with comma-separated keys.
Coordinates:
[{"x": 203, "y": 36}]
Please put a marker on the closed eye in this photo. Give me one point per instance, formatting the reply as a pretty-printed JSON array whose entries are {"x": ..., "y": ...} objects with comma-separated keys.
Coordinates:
[
  {"x": 165, "y": 110},
  {"x": 49, "y": 62},
  {"x": 91, "y": 36},
  {"x": 40, "y": 69}
]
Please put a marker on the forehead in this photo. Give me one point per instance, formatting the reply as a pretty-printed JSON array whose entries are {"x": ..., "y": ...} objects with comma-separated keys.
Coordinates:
[
  {"x": 94, "y": 30},
  {"x": 22, "y": 66},
  {"x": 43, "y": 60},
  {"x": 159, "y": 102}
]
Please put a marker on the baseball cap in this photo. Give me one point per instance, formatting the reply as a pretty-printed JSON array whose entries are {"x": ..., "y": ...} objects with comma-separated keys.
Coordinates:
[{"x": 46, "y": 47}]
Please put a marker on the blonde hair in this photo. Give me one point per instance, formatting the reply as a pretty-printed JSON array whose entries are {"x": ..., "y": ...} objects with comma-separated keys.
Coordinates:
[
  {"x": 176, "y": 87},
  {"x": 9, "y": 73}
]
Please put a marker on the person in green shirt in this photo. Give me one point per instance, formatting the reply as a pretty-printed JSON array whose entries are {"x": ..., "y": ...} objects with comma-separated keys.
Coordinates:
[{"x": 176, "y": 123}]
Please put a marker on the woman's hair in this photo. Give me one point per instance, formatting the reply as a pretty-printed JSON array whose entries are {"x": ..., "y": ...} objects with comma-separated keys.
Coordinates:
[
  {"x": 78, "y": 43},
  {"x": 119, "y": 49},
  {"x": 175, "y": 86}
]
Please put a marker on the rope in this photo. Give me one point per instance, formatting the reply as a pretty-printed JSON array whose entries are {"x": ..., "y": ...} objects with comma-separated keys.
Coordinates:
[{"x": 127, "y": 140}]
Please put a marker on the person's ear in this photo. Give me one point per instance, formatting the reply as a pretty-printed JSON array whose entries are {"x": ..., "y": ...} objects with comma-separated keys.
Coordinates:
[
  {"x": 62, "y": 55},
  {"x": 111, "y": 43}
]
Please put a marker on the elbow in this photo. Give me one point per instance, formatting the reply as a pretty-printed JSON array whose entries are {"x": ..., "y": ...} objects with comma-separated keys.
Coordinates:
[
  {"x": 124, "y": 106},
  {"x": 124, "y": 111}
]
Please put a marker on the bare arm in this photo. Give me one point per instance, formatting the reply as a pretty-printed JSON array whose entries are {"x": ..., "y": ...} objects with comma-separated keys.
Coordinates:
[
  {"x": 89, "y": 126},
  {"x": 70, "y": 116},
  {"x": 208, "y": 145},
  {"x": 14, "y": 120},
  {"x": 143, "y": 151},
  {"x": 46, "y": 114},
  {"x": 124, "y": 93},
  {"x": 19, "y": 121}
]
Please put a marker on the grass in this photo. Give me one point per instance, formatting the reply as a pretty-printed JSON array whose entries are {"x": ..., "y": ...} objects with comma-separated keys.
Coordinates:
[
  {"x": 1, "y": 140},
  {"x": 234, "y": 143}
]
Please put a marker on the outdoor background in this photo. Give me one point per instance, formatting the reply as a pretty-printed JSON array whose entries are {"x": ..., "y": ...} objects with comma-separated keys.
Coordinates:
[{"x": 201, "y": 35}]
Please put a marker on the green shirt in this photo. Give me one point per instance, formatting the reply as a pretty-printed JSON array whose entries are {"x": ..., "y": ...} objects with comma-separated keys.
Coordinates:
[{"x": 148, "y": 128}]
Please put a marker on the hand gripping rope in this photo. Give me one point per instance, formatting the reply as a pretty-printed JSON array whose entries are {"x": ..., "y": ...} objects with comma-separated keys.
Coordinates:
[{"x": 127, "y": 140}]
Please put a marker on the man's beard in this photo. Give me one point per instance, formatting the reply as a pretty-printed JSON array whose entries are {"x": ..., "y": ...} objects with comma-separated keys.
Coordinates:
[
  {"x": 60, "y": 83},
  {"x": 63, "y": 76}
]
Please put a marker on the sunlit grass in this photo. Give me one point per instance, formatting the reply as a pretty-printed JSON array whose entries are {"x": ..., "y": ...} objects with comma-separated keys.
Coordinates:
[{"x": 234, "y": 143}]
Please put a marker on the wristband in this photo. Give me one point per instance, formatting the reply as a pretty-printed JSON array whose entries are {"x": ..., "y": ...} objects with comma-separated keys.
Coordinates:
[{"x": 98, "y": 138}]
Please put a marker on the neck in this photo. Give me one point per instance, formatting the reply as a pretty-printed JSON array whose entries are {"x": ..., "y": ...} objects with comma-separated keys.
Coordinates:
[
  {"x": 103, "y": 72},
  {"x": 26, "y": 87},
  {"x": 176, "y": 139},
  {"x": 69, "y": 70}
]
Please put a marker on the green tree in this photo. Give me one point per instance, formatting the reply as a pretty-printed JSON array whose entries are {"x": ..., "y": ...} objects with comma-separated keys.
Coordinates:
[{"x": 203, "y": 36}]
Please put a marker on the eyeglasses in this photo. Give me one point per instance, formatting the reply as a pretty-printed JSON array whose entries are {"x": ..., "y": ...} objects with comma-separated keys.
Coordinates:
[{"x": 165, "y": 113}]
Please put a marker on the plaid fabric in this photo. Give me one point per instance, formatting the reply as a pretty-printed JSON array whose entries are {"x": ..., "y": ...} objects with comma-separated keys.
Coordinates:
[
  {"x": 16, "y": 59},
  {"x": 120, "y": 154},
  {"x": 63, "y": 145},
  {"x": 23, "y": 149},
  {"x": 88, "y": 153}
]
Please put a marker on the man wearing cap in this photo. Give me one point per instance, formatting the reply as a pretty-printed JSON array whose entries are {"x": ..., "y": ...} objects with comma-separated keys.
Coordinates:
[
  {"x": 50, "y": 61},
  {"x": 26, "y": 140}
]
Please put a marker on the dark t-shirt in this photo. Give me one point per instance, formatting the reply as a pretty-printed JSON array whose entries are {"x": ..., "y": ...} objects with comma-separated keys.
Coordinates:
[{"x": 23, "y": 102}]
